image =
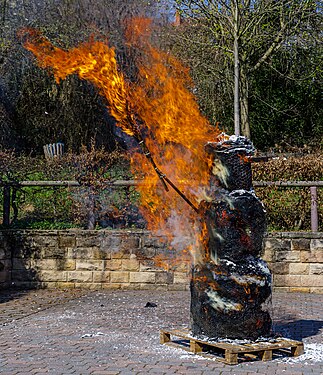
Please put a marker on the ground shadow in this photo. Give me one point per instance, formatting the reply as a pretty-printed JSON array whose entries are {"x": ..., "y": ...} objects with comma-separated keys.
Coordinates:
[
  {"x": 16, "y": 272},
  {"x": 10, "y": 294},
  {"x": 298, "y": 329}
]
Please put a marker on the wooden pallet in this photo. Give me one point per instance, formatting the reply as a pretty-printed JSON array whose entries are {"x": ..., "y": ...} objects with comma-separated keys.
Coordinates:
[{"x": 230, "y": 353}]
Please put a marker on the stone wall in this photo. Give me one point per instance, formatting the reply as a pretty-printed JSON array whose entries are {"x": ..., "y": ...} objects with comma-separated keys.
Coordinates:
[
  {"x": 89, "y": 259},
  {"x": 129, "y": 260},
  {"x": 296, "y": 261}
]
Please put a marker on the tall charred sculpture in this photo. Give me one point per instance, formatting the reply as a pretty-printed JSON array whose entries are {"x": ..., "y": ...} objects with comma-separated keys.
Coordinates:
[{"x": 231, "y": 285}]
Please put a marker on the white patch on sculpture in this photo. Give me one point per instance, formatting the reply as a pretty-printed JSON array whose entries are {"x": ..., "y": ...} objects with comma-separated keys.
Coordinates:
[{"x": 223, "y": 304}]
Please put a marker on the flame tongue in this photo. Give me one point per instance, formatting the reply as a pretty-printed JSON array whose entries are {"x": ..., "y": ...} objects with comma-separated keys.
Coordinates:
[
  {"x": 175, "y": 131},
  {"x": 93, "y": 61}
]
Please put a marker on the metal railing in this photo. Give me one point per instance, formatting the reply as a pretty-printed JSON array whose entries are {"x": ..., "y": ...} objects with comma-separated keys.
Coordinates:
[
  {"x": 10, "y": 188},
  {"x": 313, "y": 185}
]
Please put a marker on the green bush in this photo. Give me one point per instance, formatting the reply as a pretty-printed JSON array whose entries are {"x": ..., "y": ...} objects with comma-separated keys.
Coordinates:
[
  {"x": 63, "y": 208},
  {"x": 290, "y": 208}
]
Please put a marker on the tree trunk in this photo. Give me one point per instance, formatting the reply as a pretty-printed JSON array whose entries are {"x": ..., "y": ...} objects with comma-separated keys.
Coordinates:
[
  {"x": 244, "y": 104},
  {"x": 237, "y": 126}
]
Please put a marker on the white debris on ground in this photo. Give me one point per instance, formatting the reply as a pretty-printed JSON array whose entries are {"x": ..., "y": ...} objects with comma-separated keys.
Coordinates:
[
  {"x": 195, "y": 357},
  {"x": 313, "y": 353}
]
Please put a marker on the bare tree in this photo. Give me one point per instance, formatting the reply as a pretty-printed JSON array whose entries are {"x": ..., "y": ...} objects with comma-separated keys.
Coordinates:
[{"x": 248, "y": 33}]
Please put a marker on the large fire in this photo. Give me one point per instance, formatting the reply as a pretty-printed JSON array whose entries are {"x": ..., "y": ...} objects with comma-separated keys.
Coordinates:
[
  {"x": 158, "y": 108},
  {"x": 217, "y": 219}
]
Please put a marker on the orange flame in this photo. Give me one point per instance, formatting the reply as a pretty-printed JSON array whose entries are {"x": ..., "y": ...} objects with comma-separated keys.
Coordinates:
[
  {"x": 169, "y": 117},
  {"x": 93, "y": 61}
]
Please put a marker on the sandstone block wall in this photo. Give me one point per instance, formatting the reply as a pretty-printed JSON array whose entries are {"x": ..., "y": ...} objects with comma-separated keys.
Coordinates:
[
  {"x": 296, "y": 261},
  {"x": 127, "y": 260},
  {"x": 88, "y": 259}
]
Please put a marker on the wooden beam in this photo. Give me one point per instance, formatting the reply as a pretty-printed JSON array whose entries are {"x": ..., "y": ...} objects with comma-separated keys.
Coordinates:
[
  {"x": 141, "y": 182},
  {"x": 288, "y": 183}
]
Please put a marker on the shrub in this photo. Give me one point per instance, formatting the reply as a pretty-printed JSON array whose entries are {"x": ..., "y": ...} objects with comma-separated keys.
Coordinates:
[{"x": 290, "y": 208}]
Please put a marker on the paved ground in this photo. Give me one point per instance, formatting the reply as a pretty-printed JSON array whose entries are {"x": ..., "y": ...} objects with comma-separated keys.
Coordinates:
[{"x": 112, "y": 332}]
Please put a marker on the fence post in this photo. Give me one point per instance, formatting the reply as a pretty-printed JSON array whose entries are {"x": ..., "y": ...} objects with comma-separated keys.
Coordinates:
[
  {"x": 6, "y": 205},
  {"x": 314, "y": 214}
]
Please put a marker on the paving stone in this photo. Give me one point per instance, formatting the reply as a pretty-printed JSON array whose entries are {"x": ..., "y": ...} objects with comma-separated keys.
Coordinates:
[{"x": 112, "y": 332}]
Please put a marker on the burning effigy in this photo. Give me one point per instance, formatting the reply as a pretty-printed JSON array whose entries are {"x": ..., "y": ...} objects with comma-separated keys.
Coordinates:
[
  {"x": 230, "y": 288},
  {"x": 216, "y": 216}
]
